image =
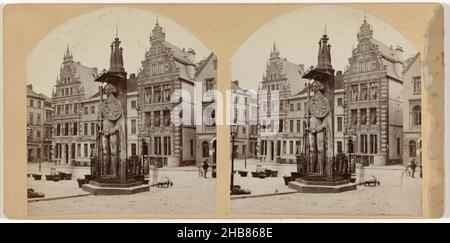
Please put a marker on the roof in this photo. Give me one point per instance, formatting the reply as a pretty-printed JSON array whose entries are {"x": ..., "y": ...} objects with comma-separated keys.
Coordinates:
[
  {"x": 410, "y": 61},
  {"x": 385, "y": 50},
  {"x": 294, "y": 76},
  {"x": 202, "y": 64},
  {"x": 32, "y": 93},
  {"x": 177, "y": 52},
  {"x": 338, "y": 84},
  {"x": 131, "y": 87},
  {"x": 235, "y": 86}
]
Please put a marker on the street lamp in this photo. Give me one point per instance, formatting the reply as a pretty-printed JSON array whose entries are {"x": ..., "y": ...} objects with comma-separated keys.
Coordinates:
[{"x": 234, "y": 131}]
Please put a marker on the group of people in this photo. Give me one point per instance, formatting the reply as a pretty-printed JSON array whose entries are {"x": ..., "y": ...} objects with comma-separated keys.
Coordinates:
[
  {"x": 203, "y": 169},
  {"x": 410, "y": 169}
]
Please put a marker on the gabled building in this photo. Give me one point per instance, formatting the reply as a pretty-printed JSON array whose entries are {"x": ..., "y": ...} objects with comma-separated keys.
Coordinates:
[
  {"x": 74, "y": 84},
  {"x": 166, "y": 70},
  {"x": 412, "y": 110},
  {"x": 373, "y": 100},
  {"x": 206, "y": 142},
  {"x": 281, "y": 80}
]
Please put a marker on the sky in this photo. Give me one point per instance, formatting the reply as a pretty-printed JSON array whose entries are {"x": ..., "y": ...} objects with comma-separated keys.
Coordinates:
[
  {"x": 297, "y": 35},
  {"x": 89, "y": 37}
]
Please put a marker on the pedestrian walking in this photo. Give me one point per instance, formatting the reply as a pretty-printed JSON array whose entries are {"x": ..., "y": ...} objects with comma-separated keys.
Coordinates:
[
  {"x": 413, "y": 167},
  {"x": 205, "y": 167}
]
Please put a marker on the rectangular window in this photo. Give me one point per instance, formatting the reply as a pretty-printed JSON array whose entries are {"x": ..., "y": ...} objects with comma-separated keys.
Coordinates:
[
  {"x": 291, "y": 147},
  {"x": 39, "y": 104},
  {"x": 417, "y": 85},
  {"x": 354, "y": 117},
  {"x": 85, "y": 129},
  {"x": 133, "y": 149},
  {"x": 299, "y": 106},
  {"x": 92, "y": 150},
  {"x": 166, "y": 118},
  {"x": 291, "y": 107},
  {"x": 284, "y": 147},
  {"x": 364, "y": 92},
  {"x": 92, "y": 109},
  {"x": 75, "y": 108},
  {"x": 157, "y": 121},
  {"x": 58, "y": 129},
  {"x": 363, "y": 116},
  {"x": 133, "y": 126},
  {"x": 78, "y": 150},
  {"x": 191, "y": 146},
  {"x": 75, "y": 129},
  {"x": 363, "y": 144},
  {"x": 133, "y": 104},
  {"x": 148, "y": 95},
  {"x": 373, "y": 144},
  {"x": 31, "y": 102},
  {"x": 298, "y": 126},
  {"x": 339, "y": 147},
  {"x": 157, "y": 90},
  {"x": 373, "y": 116},
  {"x": 367, "y": 65},
  {"x": 31, "y": 118},
  {"x": 148, "y": 119},
  {"x": 38, "y": 119},
  {"x": 58, "y": 110},
  {"x": 85, "y": 150},
  {"x": 398, "y": 146},
  {"x": 157, "y": 145},
  {"x": 86, "y": 110},
  {"x": 291, "y": 126},
  {"x": 354, "y": 92},
  {"x": 66, "y": 109},
  {"x": 339, "y": 101},
  {"x": 281, "y": 125},
  {"x": 339, "y": 124},
  {"x": 373, "y": 90},
  {"x": 66, "y": 129},
  {"x": 92, "y": 129},
  {"x": 38, "y": 135},
  {"x": 209, "y": 84}
]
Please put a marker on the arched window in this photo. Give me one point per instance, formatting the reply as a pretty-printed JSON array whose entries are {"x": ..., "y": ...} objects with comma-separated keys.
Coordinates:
[
  {"x": 412, "y": 148},
  {"x": 417, "y": 115},
  {"x": 205, "y": 149}
]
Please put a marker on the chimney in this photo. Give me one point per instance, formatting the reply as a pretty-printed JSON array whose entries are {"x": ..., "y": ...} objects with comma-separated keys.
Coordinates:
[
  {"x": 399, "y": 53},
  {"x": 191, "y": 66},
  {"x": 191, "y": 55}
]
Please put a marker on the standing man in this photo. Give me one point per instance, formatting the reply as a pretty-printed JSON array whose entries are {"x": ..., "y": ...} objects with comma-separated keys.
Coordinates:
[
  {"x": 205, "y": 167},
  {"x": 413, "y": 167}
]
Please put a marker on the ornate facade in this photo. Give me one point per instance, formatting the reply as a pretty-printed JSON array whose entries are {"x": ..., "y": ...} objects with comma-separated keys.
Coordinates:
[
  {"x": 166, "y": 70},
  {"x": 74, "y": 84},
  {"x": 281, "y": 80},
  {"x": 373, "y": 98}
]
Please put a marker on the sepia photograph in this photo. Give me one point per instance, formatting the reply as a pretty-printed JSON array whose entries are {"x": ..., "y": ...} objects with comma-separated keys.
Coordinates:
[
  {"x": 112, "y": 97},
  {"x": 326, "y": 117}
]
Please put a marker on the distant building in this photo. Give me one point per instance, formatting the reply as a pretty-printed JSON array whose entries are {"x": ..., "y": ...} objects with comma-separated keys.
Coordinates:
[
  {"x": 373, "y": 100},
  {"x": 282, "y": 80},
  {"x": 243, "y": 111},
  {"x": 206, "y": 142},
  {"x": 39, "y": 133},
  {"x": 74, "y": 84},
  {"x": 412, "y": 110},
  {"x": 166, "y": 69}
]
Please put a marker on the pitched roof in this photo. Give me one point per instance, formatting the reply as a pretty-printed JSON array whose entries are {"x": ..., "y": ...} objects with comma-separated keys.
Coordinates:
[
  {"x": 386, "y": 50},
  {"x": 202, "y": 64},
  {"x": 32, "y": 93},
  {"x": 131, "y": 87},
  {"x": 235, "y": 86},
  {"x": 410, "y": 61}
]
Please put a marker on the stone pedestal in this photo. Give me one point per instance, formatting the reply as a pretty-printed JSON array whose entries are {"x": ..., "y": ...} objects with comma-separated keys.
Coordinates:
[
  {"x": 97, "y": 188},
  {"x": 322, "y": 186}
]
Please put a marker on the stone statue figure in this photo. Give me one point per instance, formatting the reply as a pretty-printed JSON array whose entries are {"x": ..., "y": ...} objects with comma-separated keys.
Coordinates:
[
  {"x": 111, "y": 124},
  {"x": 320, "y": 130}
]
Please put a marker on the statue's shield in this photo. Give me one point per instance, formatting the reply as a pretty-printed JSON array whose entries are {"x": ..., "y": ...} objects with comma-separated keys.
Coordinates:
[
  {"x": 318, "y": 106},
  {"x": 111, "y": 108}
]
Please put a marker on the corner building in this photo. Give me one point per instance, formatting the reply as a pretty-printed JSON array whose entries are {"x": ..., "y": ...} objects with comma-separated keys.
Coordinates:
[{"x": 373, "y": 97}]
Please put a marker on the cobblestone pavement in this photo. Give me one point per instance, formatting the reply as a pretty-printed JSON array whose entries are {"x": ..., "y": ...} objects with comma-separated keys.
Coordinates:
[
  {"x": 395, "y": 196},
  {"x": 190, "y": 195}
]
